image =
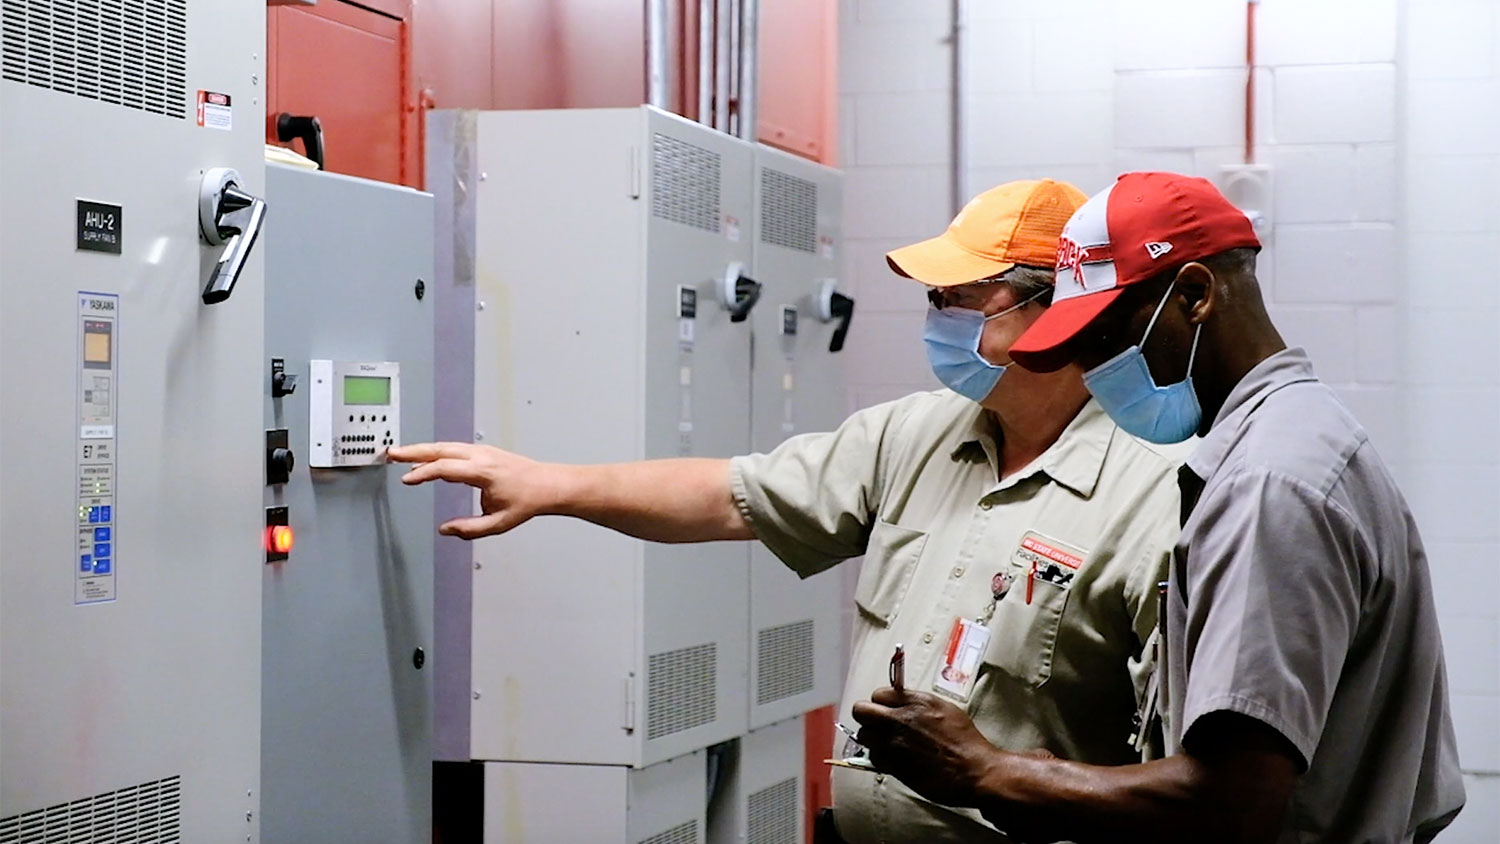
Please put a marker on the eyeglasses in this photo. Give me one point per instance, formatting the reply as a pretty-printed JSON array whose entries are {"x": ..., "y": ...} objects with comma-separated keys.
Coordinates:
[
  {"x": 963, "y": 296},
  {"x": 853, "y": 754}
]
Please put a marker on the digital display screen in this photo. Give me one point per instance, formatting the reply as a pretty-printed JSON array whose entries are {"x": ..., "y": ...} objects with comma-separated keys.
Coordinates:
[
  {"x": 365, "y": 389},
  {"x": 96, "y": 344}
]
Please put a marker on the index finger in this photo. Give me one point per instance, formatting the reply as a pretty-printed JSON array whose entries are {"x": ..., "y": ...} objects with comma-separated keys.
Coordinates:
[
  {"x": 428, "y": 452},
  {"x": 868, "y": 713}
]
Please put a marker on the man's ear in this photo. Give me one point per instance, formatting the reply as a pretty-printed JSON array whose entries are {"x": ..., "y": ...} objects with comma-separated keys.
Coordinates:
[{"x": 1195, "y": 283}]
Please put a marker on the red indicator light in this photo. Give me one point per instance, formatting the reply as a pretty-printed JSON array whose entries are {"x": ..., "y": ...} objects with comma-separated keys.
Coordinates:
[{"x": 279, "y": 539}]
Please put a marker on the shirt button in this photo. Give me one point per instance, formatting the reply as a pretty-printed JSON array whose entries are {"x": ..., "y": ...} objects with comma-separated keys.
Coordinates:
[
  {"x": 958, "y": 571},
  {"x": 927, "y": 638},
  {"x": 985, "y": 504}
]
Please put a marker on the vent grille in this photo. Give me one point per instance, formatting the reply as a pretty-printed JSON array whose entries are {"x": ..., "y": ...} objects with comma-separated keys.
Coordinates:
[
  {"x": 131, "y": 53},
  {"x": 784, "y": 663},
  {"x": 684, "y": 183},
  {"x": 684, "y": 833},
  {"x": 773, "y": 814},
  {"x": 149, "y": 813},
  {"x": 788, "y": 211},
  {"x": 681, "y": 690}
]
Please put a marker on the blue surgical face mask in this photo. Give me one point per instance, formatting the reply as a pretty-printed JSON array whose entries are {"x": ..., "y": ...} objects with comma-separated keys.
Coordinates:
[
  {"x": 1125, "y": 389},
  {"x": 952, "y": 338}
]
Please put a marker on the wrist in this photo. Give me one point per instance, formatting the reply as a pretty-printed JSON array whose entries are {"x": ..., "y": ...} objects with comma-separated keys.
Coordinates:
[
  {"x": 563, "y": 488},
  {"x": 991, "y": 779}
]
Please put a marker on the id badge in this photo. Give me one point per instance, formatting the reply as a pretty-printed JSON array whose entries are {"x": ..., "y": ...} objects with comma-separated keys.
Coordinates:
[{"x": 960, "y": 668}]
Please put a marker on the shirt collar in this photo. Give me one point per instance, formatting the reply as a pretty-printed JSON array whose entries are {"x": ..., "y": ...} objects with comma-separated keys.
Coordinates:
[
  {"x": 1075, "y": 460},
  {"x": 1286, "y": 367}
]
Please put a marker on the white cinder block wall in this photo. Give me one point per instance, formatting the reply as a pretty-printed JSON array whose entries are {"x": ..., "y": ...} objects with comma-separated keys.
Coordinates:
[
  {"x": 1450, "y": 146},
  {"x": 1381, "y": 121}
]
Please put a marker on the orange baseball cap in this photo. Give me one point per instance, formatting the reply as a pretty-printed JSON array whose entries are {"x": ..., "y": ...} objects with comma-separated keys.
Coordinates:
[{"x": 1015, "y": 223}]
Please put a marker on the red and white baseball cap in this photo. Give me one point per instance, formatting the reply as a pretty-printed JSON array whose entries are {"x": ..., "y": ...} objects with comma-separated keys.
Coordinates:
[{"x": 1139, "y": 227}]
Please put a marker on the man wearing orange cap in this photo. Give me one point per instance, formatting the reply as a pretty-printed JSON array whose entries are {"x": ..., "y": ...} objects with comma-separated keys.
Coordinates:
[
  {"x": 1304, "y": 696},
  {"x": 1013, "y": 537}
]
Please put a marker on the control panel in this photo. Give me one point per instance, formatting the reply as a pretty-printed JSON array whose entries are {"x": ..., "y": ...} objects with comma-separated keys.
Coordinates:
[
  {"x": 354, "y": 413},
  {"x": 98, "y": 397}
]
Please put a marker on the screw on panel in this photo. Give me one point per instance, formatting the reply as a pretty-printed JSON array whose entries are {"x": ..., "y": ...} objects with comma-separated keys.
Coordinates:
[
  {"x": 478, "y": 565},
  {"x": 421, "y": 289},
  {"x": 477, "y": 695},
  {"x": 418, "y": 658},
  {"x": 484, "y": 177},
  {"x": 479, "y": 306}
]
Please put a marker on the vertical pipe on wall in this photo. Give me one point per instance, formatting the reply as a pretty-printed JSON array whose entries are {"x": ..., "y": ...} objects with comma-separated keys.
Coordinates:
[
  {"x": 749, "y": 67},
  {"x": 706, "y": 62},
  {"x": 721, "y": 65},
  {"x": 1250, "y": 81},
  {"x": 657, "y": 54},
  {"x": 958, "y": 146},
  {"x": 734, "y": 67}
]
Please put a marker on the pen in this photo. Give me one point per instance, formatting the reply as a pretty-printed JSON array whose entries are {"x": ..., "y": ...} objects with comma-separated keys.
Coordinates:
[{"x": 898, "y": 669}]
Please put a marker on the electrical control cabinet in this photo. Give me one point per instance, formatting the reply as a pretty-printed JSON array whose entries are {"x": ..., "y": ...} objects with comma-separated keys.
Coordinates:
[
  {"x": 662, "y": 804},
  {"x": 346, "y": 736},
  {"x": 130, "y": 444},
  {"x": 761, "y": 797},
  {"x": 797, "y": 387},
  {"x": 608, "y": 256}
]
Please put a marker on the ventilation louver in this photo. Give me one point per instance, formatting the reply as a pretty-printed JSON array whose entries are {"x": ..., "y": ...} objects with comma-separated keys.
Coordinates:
[
  {"x": 131, "y": 53},
  {"x": 685, "y": 183},
  {"x": 684, "y": 833},
  {"x": 788, "y": 211},
  {"x": 784, "y": 661},
  {"x": 681, "y": 690},
  {"x": 772, "y": 814},
  {"x": 149, "y": 813}
]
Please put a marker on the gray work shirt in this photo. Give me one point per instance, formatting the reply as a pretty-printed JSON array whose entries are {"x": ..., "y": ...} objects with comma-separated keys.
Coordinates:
[{"x": 1300, "y": 597}]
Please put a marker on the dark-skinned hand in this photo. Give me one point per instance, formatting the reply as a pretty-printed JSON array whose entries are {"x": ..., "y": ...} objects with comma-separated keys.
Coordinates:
[{"x": 926, "y": 742}]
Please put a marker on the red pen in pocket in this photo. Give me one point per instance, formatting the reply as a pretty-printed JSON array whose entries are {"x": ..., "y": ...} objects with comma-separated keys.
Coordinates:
[{"x": 1030, "y": 579}]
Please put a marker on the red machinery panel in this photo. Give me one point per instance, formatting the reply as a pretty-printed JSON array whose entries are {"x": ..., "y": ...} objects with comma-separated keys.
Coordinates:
[{"x": 348, "y": 66}]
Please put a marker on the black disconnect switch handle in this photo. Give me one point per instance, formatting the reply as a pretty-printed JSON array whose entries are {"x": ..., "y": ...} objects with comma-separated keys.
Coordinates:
[
  {"x": 843, "y": 310},
  {"x": 746, "y": 294},
  {"x": 309, "y": 129}
]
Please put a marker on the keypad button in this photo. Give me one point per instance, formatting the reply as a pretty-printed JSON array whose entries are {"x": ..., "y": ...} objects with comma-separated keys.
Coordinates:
[
  {"x": 102, "y": 566},
  {"x": 93, "y": 515},
  {"x": 101, "y": 534},
  {"x": 101, "y": 549},
  {"x": 85, "y": 562},
  {"x": 104, "y": 514}
]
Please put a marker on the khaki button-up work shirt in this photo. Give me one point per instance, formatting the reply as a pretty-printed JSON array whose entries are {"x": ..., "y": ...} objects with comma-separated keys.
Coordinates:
[
  {"x": 913, "y": 486},
  {"x": 1300, "y": 597}
]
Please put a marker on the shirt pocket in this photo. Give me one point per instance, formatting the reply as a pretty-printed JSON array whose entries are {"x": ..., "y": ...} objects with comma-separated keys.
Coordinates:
[
  {"x": 890, "y": 561},
  {"x": 1023, "y": 635}
]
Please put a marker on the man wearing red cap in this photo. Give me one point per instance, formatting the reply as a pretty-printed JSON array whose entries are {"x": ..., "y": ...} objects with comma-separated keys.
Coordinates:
[
  {"x": 1012, "y": 536},
  {"x": 1302, "y": 679}
]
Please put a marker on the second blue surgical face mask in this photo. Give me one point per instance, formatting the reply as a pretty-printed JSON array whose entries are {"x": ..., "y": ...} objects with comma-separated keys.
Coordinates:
[
  {"x": 952, "y": 339},
  {"x": 1123, "y": 386}
]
